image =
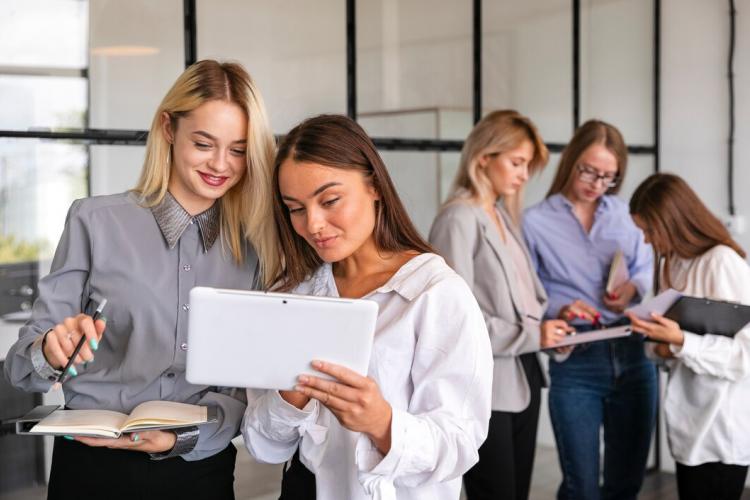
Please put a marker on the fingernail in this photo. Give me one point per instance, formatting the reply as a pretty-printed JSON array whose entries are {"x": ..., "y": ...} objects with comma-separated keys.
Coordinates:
[
  {"x": 94, "y": 344},
  {"x": 103, "y": 318},
  {"x": 73, "y": 372},
  {"x": 317, "y": 364},
  {"x": 571, "y": 315},
  {"x": 69, "y": 438},
  {"x": 299, "y": 388},
  {"x": 135, "y": 437},
  {"x": 303, "y": 379}
]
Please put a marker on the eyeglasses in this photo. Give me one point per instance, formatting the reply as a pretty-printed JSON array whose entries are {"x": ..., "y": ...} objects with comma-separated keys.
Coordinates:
[{"x": 591, "y": 176}]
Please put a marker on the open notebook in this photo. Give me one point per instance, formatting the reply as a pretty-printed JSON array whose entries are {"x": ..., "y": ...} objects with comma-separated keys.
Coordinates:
[{"x": 151, "y": 415}]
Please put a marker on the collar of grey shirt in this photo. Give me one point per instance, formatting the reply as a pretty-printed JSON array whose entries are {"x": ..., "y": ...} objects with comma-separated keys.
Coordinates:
[{"x": 173, "y": 220}]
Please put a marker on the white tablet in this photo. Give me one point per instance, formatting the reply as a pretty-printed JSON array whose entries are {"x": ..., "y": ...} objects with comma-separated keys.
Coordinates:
[{"x": 265, "y": 340}]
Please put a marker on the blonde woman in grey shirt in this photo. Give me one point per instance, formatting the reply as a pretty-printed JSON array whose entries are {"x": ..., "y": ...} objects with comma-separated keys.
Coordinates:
[
  {"x": 477, "y": 231},
  {"x": 203, "y": 193}
]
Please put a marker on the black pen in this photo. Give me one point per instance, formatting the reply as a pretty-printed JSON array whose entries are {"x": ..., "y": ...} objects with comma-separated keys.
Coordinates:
[{"x": 64, "y": 375}]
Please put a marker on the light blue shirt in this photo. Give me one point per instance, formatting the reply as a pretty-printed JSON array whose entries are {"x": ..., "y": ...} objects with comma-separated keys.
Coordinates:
[{"x": 573, "y": 264}]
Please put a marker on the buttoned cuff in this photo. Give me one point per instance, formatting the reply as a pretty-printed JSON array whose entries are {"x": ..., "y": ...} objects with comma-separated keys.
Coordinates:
[
  {"x": 187, "y": 438},
  {"x": 401, "y": 459},
  {"x": 689, "y": 348},
  {"x": 41, "y": 366},
  {"x": 281, "y": 408}
]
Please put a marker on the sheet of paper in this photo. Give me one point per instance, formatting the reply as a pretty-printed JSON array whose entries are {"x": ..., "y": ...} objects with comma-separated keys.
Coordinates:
[{"x": 658, "y": 304}]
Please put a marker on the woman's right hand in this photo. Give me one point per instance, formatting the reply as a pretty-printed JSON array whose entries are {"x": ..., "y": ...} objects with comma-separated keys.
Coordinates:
[
  {"x": 553, "y": 331},
  {"x": 581, "y": 310},
  {"x": 61, "y": 341},
  {"x": 295, "y": 398}
]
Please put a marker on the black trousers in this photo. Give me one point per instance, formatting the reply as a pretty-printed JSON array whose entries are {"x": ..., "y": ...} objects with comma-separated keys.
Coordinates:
[
  {"x": 83, "y": 472},
  {"x": 297, "y": 482},
  {"x": 711, "y": 481},
  {"x": 506, "y": 459}
]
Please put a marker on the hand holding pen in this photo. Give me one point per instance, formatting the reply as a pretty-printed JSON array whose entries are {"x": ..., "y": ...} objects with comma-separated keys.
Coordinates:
[{"x": 74, "y": 341}]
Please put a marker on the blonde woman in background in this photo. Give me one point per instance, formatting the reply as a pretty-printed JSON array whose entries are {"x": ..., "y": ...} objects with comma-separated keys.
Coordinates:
[
  {"x": 478, "y": 233},
  {"x": 198, "y": 216}
]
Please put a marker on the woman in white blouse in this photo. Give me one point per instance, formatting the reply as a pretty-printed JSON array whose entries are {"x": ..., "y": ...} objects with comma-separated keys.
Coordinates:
[
  {"x": 707, "y": 404},
  {"x": 412, "y": 426}
]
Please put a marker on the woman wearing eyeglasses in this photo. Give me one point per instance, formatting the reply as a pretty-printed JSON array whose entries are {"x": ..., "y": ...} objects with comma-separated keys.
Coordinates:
[{"x": 573, "y": 236}]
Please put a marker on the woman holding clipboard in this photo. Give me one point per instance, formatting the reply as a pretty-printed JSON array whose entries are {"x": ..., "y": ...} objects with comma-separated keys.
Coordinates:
[
  {"x": 573, "y": 236},
  {"x": 707, "y": 402},
  {"x": 203, "y": 188},
  {"x": 411, "y": 426}
]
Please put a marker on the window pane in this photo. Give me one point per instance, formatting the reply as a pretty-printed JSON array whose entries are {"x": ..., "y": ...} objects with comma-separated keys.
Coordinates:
[
  {"x": 137, "y": 51},
  {"x": 415, "y": 175},
  {"x": 527, "y": 62},
  {"x": 539, "y": 184},
  {"x": 42, "y": 102},
  {"x": 412, "y": 56},
  {"x": 617, "y": 66},
  {"x": 639, "y": 167},
  {"x": 299, "y": 65},
  {"x": 38, "y": 182},
  {"x": 115, "y": 169},
  {"x": 48, "y": 33}
]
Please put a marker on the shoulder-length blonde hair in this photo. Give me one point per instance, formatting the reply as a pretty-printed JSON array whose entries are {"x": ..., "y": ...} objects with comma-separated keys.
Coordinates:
[
  {"x": 590, "y": 133},
  {"x": 246, "y": 207},
  {"x": 677, "y": 222},
  {"x": 496, "y": 133}
]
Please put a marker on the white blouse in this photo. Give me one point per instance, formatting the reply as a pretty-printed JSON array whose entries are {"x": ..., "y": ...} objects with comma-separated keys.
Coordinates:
[
  {"x": 432, "y": 361},
  {"x": 707, "y": 405}
]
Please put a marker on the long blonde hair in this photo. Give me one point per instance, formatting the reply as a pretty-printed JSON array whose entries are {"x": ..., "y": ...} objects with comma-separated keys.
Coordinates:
[
  {"x": 498, "y": 132},
  {"x": 246, "y": 207}
]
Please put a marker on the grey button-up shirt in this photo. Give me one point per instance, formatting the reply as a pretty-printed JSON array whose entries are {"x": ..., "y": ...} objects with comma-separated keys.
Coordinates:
[{"x": 145, "y": 262}]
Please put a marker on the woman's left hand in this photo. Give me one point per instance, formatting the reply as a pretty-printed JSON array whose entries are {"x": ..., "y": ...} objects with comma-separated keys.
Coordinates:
[
  {"x": 620, "y": 297},
  {"x": 661, "y": 329},
  {"x": 146, "y": 441},
  {"x": 354, "y": 400}
]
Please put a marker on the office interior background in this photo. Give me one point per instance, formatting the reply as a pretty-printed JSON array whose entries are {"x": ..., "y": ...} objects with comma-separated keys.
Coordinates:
[{"x": 80, "y": 80}]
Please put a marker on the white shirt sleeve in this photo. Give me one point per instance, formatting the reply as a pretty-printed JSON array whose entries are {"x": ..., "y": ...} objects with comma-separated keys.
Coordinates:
[
  {"x": 272, "y": 428},
  {"x": 726, "y": 278},
  {"x": 438, "y": 437}
]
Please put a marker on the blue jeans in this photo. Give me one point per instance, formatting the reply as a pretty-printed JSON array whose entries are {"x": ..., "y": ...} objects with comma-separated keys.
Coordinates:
[{"x": 610, "y": 384}]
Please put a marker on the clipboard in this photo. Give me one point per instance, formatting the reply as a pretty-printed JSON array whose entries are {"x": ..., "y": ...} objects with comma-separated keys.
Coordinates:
[{"x": 709, "y": 317}]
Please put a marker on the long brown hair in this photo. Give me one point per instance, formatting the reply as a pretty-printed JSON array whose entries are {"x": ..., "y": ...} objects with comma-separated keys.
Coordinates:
[
  {"x": 339, "y": 142},
  {"x": 677, "y": 222},
  {"x": 245, "y": 206},
  {"x": 498, "y": 132},
  {"x": 590, "y": 133}
]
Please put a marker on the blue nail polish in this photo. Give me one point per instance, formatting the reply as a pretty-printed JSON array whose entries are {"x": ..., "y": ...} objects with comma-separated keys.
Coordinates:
[
  {"x": 69, "y": 438},
  {"x": 94, "y": 344},
  {"x": 136, "y": 437},
  {"x": 73, "y": 372}
]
